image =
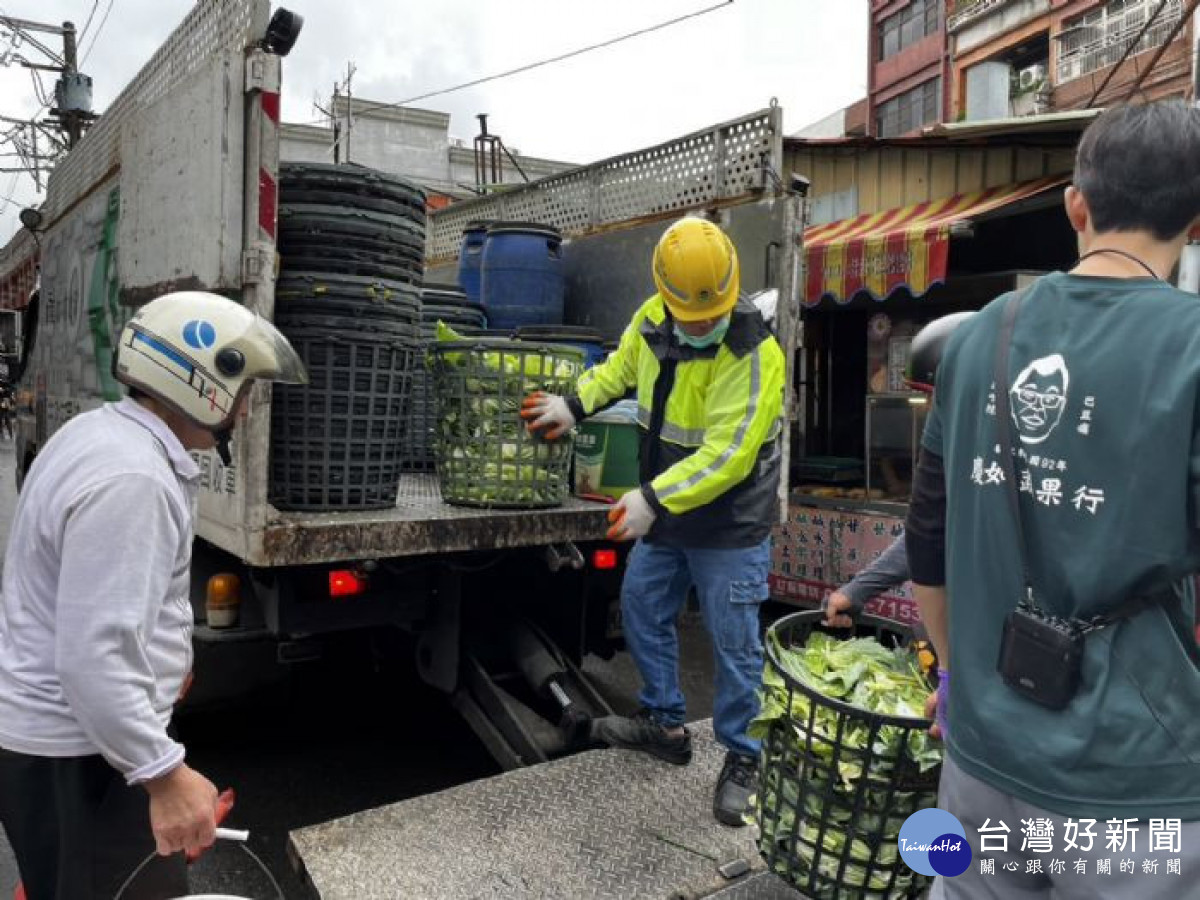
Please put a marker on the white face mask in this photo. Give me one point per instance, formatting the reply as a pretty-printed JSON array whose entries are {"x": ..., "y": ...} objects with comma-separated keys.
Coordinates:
[{"x": 706, "y": 340}]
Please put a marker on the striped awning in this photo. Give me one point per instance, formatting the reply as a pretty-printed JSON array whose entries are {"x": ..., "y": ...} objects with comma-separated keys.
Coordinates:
[
  {"x": 904, "y": 247},
  {"x": 18, "y": 282}
]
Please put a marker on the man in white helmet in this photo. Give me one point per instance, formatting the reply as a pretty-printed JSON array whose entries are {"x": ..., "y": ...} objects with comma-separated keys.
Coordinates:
[
  {"x": 709, "y": 381},
  {"x": 95, "y": 614}
]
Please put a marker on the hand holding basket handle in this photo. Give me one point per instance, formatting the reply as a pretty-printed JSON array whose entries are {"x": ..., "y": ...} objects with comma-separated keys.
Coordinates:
[
  {"x": 549, "y": 411},
  {"x": 937, "y": 705}
]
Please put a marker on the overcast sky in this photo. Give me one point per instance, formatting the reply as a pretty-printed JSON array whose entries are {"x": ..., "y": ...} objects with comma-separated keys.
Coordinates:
[{"x": 810, "y": 54}]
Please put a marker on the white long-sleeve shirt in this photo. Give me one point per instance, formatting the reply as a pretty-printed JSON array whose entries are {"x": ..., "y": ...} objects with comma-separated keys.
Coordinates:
[{"x": 95, "y": 614}]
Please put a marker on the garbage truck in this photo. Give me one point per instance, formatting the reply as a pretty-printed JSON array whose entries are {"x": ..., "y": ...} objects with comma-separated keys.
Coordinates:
[{"x": 175, "y": 187}]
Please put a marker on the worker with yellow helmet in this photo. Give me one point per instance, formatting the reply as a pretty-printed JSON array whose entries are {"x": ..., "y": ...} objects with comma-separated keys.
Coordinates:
[{"x": 709, "y": 379}]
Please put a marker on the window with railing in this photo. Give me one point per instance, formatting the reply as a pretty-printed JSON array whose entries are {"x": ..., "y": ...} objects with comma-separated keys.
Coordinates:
[
  {"x": 1099, "y": 38},
  {"x": 909, "y": 111},
  {"x": 960, "y": 12},
  {"x": 915, "y": 22}
]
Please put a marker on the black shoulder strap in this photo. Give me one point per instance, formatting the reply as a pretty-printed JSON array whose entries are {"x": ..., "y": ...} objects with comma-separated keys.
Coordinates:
[
  {"x": 1124, "y": 610},
  {"x": 1004, "y": 422}
]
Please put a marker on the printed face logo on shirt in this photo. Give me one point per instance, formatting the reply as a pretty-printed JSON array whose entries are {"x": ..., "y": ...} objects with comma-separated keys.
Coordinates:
[{"x": 1038, "y": 398}]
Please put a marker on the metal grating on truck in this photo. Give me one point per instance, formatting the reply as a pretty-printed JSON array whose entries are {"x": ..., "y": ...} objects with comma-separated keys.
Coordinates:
[{"x": 717, "y": 165}]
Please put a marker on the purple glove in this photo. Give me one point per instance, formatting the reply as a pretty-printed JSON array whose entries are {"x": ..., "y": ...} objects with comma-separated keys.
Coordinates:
[{"x": 943, "y": 700}]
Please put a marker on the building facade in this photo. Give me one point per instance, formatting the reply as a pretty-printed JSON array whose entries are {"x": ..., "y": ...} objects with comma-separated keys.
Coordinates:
[
  {"x": 413, "y": 143},
  {"x": 936, "y": 61},
  {"x": 1023, "y": 57},
  {"x": 908, "y": 66}
]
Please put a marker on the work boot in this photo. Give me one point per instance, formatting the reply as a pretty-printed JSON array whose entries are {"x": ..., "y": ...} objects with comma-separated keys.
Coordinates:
[
  {"x": 641, "y": 732},
  {"x": 737, "y": 782}
]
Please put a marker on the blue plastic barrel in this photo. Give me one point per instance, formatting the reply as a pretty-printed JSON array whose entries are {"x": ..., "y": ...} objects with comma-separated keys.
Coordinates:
[
  {"x": 589, "y": 340},
  {"x": 523, "y": 281},
  {"x": 593, "y": 354},
  {"x": 470, "y": 260}
]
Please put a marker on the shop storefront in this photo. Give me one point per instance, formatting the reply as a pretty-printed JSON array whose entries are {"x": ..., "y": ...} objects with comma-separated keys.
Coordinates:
[{"x": 871, "y": 282}]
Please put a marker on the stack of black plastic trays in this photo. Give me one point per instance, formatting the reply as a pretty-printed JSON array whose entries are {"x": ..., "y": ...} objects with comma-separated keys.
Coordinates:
[
  {"x": 351, "y": 242},
  {"x": 351, "y": 220},
  {"x": 448, "y": 304}
]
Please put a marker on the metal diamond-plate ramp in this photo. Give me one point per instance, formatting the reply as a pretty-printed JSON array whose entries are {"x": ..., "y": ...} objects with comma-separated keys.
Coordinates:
[
  {"x": 757, "y": 886},
  {"x": 607, "y": 823}
]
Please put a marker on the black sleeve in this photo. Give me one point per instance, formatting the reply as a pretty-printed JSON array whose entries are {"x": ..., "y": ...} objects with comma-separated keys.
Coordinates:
[
  {"x": 575, "y": 405},
  {"x": 925, "y": 527},
  {"x": 652, "y": 499}
]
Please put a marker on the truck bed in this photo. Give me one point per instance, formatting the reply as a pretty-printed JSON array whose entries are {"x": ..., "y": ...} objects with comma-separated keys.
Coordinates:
[{"x": 422, "y": 523}]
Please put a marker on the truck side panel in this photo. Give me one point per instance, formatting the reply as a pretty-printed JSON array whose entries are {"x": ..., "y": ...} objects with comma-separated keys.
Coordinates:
[
  {"x": 181, "y": 162},
  {"x": 159, "y": 222},
  {"x": 233, "y": 499},
  {"x": 608, "y": 275},
  {"x": 77, "y": 316},
  {"x": 154, "y": 199}
]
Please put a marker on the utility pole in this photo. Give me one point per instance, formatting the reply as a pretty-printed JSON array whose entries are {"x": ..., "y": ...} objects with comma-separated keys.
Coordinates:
[
  {"x": 72, "y": 110},
  {"x": 72, "y": 122},
  {"x": 341, "y": 145},
  {"x": 337, "y": 124},
  {"x": 349, "y": 106}
]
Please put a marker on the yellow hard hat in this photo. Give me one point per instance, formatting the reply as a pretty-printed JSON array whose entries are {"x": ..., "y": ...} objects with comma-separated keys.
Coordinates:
[{"x": 696, "y": 270}]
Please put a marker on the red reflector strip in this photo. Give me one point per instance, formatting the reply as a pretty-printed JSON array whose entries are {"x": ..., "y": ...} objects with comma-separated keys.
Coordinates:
[
  {"x": 344, "y": 583},
  {"x": 268, "y": 197},
  {"x": 604, "y": 559},
  {"x": 270, "y": 105}
]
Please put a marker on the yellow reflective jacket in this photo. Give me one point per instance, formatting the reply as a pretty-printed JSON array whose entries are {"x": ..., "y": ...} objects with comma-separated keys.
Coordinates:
[{"x": 710, "y": 422}]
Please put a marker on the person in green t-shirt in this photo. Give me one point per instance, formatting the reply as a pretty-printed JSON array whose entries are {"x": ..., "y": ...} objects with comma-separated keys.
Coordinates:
[{"x": 1099, "y": 798}]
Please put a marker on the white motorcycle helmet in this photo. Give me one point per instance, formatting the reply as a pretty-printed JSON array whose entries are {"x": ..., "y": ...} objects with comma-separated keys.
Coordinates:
[{"x": 199, "y": 352}]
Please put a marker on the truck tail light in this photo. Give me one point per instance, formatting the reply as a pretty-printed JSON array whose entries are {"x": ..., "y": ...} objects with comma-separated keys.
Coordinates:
[
  {"x": 346, "y": 583},
  {"x": 604, "y": 558},
  {"x": 222, "y": 600}
]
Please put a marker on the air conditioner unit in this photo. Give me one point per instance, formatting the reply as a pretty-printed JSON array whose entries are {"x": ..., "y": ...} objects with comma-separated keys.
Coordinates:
[{"x": 1032, "y": 76}]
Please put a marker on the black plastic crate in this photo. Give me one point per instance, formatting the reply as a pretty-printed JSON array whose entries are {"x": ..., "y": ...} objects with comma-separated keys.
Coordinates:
[
  {"x": 336, "y": 442},
  {"x": 831, "y": 836}
]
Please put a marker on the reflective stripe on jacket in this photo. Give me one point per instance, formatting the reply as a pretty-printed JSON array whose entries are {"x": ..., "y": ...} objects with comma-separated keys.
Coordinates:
[{"x": 710, "y": 419}]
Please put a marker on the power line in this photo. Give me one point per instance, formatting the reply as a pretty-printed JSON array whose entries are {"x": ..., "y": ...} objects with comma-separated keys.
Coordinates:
[
  {"x": 9, "y": 201},
  {"x": 12, "y": 190},
  {"x": 38, "y": 90},
  {"x": 24, "y": 147},
  {"x": 96, "y": 35},
  {"x": 88, "y": 23},
  {"x": 545, "y": 62}
]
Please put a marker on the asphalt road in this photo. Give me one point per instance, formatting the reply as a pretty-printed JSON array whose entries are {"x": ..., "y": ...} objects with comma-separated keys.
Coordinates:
[{"x": 350, "y": 732}]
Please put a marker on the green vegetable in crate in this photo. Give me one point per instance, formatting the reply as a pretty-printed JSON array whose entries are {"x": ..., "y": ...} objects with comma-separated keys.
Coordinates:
[
  {"x": 508, "y": 362},
  {"x": 861, "y": 672},
  {"x": 446, "y": 334},
  {"x": 826, "y": 819},
  {"x": 485, "y": 456}
]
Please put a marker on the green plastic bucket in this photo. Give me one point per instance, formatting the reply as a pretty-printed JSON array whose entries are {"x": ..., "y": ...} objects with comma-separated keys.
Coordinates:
[{"x": 606, "y": 452}]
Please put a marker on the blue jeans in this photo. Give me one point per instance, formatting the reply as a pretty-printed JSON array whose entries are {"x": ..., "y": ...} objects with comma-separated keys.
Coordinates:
[{"x": 731, "y": 584}]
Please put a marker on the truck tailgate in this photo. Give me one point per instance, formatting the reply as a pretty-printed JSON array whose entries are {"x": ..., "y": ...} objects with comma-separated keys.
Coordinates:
[{"x": 422, "y": 523}]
